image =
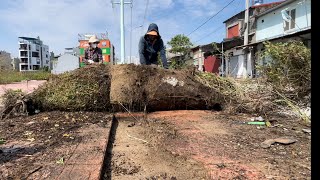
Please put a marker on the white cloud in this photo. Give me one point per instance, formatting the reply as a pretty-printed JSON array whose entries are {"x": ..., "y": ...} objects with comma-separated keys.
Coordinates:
[{"x": 58, "y": 22}]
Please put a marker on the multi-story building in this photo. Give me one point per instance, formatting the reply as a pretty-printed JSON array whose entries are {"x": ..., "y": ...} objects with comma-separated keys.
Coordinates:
[
  {"x": 281, "y": 21},
  {"x": 239, "y": 60},
  {"x": 33, "y": 54}
]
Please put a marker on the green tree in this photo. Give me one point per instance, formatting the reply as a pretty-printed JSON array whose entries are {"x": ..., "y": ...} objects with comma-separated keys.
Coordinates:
[{"x": 180, "y": 44}]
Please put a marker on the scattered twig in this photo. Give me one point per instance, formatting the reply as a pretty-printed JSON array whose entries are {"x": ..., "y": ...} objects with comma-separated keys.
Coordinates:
[
  {"x": 302, "y": 165},
  {"x": 294, "y": 107},
  {"x": 35, "y": 170},
  {"x": 137, "y": 138},
  {"x": 128, "y": 111}
]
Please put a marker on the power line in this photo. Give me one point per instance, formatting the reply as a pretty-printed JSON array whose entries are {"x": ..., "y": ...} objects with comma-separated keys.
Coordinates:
[
  {"x": 211, "y": 17},
  {"x": 210, "y": 33},
  {"x": 236, "y": 6}
]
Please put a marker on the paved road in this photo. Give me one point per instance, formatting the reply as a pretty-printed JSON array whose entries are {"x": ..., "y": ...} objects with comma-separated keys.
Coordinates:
[{"x": 25, "y": 86}]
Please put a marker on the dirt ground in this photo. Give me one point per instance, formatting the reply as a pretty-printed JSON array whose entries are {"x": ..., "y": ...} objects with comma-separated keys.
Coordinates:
[
  {"x": 34, "y": 145},
  {"x": 208, "y": 145},
  {"x": 138, "y": 154},
  {"x": 164, "y": 145}
]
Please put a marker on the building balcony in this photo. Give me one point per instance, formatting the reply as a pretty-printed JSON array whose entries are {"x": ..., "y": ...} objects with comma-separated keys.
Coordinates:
[
  {"x": 23, "y": 42},
  {"x": 24, "y": 60}
]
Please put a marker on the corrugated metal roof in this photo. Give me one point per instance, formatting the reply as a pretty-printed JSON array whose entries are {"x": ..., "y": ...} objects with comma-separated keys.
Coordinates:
[
  {"x": 28, "y": 38},
  {"x": 276, "y": 7},
  {"x": 306, "y": 30},
  {"x": 258, "y": 6},
  {"x": 268, "y": 4}
]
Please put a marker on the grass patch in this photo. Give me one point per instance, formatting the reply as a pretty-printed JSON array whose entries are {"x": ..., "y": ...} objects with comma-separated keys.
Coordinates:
[{"x": 14, "y": 76}]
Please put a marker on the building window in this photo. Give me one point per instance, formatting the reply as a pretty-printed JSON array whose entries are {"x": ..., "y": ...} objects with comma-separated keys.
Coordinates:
[
  {"x": 35, "y": 54},
  {"x": 233, "y": 31},
  {"x": 24, "y": 53},
  {"x": 291, "y": 24},
  {"x": 46, "y": 55}
]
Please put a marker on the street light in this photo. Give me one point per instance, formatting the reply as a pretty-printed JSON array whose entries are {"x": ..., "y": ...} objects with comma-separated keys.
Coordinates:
[{"x": 131, "y": 41}]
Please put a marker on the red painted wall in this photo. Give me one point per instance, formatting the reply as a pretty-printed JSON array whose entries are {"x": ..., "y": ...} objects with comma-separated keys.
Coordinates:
[
  {"x": 233, "y": 31},
  {"x": 212, "y": 64}
]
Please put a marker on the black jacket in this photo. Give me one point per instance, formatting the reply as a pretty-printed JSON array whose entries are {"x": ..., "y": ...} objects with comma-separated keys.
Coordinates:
[{"x": 148, "y": 54}]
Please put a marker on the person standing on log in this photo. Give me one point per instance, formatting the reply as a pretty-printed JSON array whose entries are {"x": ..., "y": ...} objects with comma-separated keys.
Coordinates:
[{"x": 150, "y": 45}]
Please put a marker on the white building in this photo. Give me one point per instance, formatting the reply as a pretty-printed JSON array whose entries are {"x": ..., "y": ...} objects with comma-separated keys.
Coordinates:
[
  {"x": 33, "y": 54},
  {"x": 64, "y": 63}
]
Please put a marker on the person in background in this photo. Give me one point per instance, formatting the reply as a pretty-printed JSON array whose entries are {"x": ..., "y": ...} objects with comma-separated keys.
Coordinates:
[
  {"x": 150, "y": 45},
  {"x": 93, "y": 54}
]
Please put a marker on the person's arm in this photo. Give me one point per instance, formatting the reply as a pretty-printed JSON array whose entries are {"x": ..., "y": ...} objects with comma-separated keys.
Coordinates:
[
  {"x": 163, "y": 55},
  {"x": 141, "y": 51}
]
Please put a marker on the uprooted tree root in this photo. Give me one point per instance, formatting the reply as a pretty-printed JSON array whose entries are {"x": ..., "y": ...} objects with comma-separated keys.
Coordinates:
[
  {"x": 15, "y": 103},
  {"x": 114, "y": 88},
  {"x": 108, "y": 87}
]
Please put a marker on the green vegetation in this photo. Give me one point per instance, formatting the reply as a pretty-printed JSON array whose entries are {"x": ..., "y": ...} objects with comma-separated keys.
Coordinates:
[
  {"x": 14, "y": 76},
  {"x": 181, "y": 45},
  {"x": 288, "y": 69}
]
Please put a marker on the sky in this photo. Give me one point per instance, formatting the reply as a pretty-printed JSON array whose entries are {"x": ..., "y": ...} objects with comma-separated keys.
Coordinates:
[{"x": 59, "y": 22}]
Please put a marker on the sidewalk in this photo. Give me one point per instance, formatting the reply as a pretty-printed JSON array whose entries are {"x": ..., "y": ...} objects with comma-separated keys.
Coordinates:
[{"x": 25, "y": 86}]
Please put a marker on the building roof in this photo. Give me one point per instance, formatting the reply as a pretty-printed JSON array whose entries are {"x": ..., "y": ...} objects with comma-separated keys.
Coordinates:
[
  {"x": 267, "y": 4},
  {"x": 28, "y": 38},
  {"x": 297, "y": 33},
  {"x": 276, "y": 7},
  {"x": 205, "y": 46},
  {"x": 257, "y": 6},
  {"x": 229, "y": 43}
]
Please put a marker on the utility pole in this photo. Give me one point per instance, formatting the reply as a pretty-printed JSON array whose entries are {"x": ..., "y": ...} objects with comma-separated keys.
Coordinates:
[
  {"x": 222, "y": 70},
  {"x": 122, "y": 3},
  {"x": 246, "y": 22},
  {"x": 247, "y": 60},
  {"x": 130, "y": 59}
]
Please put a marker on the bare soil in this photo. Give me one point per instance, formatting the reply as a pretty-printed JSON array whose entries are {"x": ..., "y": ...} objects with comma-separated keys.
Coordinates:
[
  {"x": 34, "y": 144},
  {"x": 163, "y": 145},
  {"x": 208, "y": 145},
  {"x": 138, "y": 154}
]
